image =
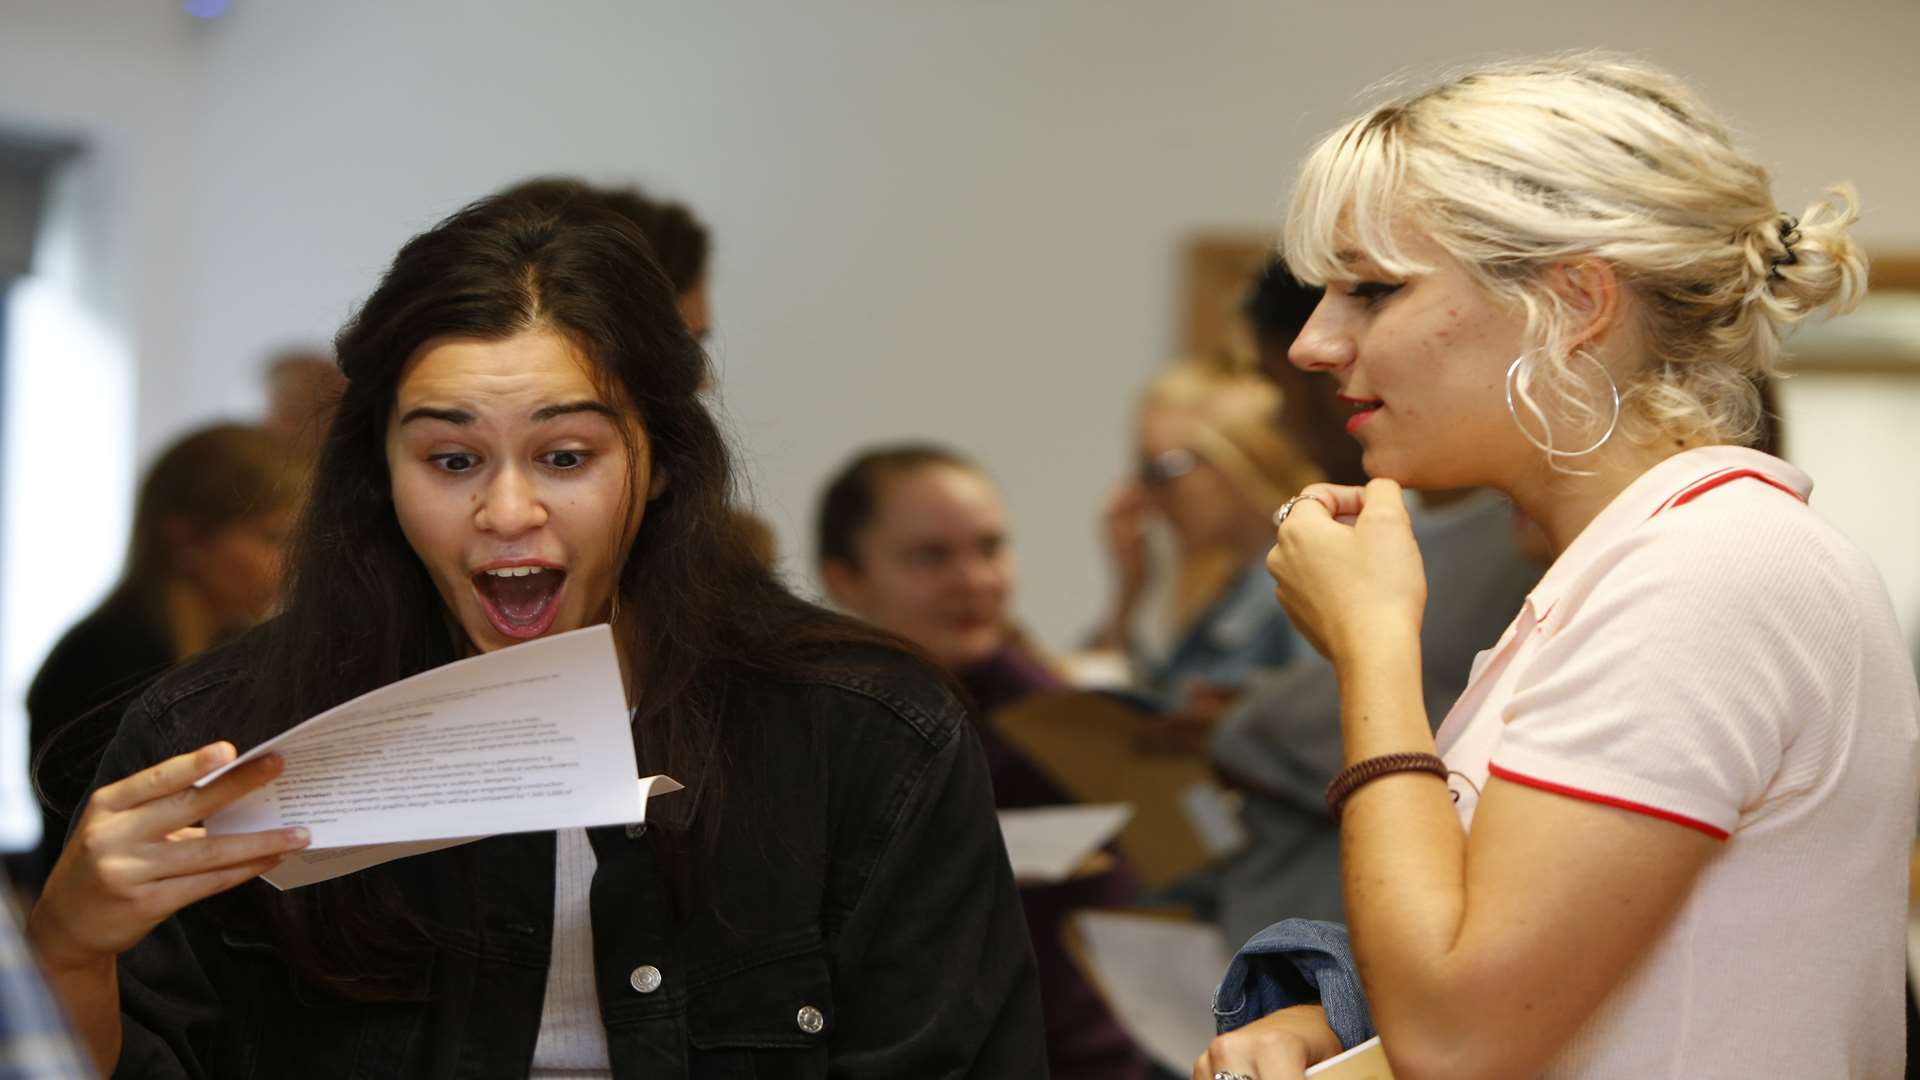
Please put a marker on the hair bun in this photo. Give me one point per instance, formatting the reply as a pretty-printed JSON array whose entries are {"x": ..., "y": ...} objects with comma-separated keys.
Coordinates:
[{"x": 1800, "y": 267}]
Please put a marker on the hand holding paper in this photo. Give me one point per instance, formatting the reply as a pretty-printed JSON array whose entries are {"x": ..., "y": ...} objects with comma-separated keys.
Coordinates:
[{"x": 524, "y": 739}]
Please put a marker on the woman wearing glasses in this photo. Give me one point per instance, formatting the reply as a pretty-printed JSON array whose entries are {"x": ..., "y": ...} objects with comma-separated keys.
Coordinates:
[{"x": 1212, "y": 458}]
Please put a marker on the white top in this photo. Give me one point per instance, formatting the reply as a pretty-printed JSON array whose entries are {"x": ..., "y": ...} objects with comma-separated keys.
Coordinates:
[
  {"x": 572, "y": 1043},
  {"x": 1709, "y": 652}
]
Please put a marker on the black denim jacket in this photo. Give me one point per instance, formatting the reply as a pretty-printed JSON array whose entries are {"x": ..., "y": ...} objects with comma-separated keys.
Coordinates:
[{"x": 859, "y": 919}]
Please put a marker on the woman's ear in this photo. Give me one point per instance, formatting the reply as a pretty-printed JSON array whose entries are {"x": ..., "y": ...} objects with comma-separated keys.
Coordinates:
[
  {"x": 657, "y": 484},
  {"x": 841, "y": 579},
  {"x": 1590, "y": 289}
]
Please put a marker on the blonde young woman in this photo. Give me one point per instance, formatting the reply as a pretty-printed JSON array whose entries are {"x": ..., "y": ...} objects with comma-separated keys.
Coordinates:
[
  {"x": 1212, "y": 461},
  {"x": 1669, "y": 834}
]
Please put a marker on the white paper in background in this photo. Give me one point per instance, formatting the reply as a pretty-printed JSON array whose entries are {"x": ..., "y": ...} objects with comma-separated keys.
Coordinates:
[
  {"x": 1214, "y": 814},
  {"x": 1158, "y": 977},
  {"x": 523, "y": 739},
  {"x": 308, "y": 867},
  {"x": 1048, "y": 843}
]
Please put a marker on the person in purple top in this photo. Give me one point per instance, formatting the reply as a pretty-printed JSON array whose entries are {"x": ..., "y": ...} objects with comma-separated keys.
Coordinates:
[{"x": 913, "y": 538}]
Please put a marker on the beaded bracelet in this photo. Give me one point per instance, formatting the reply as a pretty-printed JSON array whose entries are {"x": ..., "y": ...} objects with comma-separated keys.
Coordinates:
[{"x": 1360, "y": 773}]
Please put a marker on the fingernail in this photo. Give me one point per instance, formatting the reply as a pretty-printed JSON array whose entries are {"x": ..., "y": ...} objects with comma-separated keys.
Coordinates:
[
  {"x": 218, "y": 753},
  {"x": 298, "y": 835},
  {"x": 271, "y": 761}
]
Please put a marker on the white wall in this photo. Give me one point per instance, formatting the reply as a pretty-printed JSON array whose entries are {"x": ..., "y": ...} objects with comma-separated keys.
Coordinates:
[
  {"x": 99, "y": 309},
  {"x": 953, "y": 220},
  {"x": 1861, "y": 441}
]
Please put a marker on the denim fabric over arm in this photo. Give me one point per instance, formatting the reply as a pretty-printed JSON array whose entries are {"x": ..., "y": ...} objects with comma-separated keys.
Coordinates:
[{"x": 1295, "y": 962}]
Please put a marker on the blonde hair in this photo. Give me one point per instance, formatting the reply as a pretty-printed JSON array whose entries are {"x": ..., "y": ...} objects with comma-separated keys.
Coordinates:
[
  {"x": 1517, "y": 167},
  {"x": 1233, "y": 416}
]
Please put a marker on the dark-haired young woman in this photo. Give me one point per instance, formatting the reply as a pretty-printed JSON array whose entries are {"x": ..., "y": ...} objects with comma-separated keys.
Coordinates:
[{"x": 830, "y": 896}]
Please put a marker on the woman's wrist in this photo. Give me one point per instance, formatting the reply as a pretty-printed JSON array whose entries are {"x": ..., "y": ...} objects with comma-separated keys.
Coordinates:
[
  {"x": 57, "y": 952},
  {"x": 1367, "y": 644},
  {"x": 1317, "y": 1034},
  {"x": 1383, "y": 706}
]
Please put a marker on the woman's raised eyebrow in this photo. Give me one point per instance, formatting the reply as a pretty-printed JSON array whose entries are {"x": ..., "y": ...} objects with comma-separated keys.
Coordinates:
[
  {"x": 462, "y": 417},
  {"x": 427, "y": 412},
  {"x": 549, "y": 412}
]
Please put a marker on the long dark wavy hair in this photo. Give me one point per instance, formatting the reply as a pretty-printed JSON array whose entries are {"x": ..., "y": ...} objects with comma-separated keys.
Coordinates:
[{"x": 696, "y": 608}]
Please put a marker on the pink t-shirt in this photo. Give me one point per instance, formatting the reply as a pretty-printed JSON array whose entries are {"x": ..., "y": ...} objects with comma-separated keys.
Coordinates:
[{"x": 1709, "y": 652}]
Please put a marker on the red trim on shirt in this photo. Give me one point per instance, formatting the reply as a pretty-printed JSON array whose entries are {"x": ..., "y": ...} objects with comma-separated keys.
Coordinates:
[
  {"x": 1608, "y": 800},
  {"x": 1701, "y": 487}
]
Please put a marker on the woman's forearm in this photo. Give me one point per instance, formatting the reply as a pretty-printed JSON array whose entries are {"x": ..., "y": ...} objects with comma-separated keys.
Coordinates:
[{"x": 1403, "y": 852}]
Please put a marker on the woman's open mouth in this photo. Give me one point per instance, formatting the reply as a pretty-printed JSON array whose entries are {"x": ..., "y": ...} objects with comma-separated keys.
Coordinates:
[{"x": 521, "y": 601}]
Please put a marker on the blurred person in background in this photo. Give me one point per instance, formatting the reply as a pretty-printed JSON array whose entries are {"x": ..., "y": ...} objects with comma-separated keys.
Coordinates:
[
  {"x": 1214, "y": 463},
  {"x": 680, "y": 241},
  {"x": 303, "y": 388},
  {"x": 203, "y": 564},
  {"x": 913, "y": 538},
  {"x": 1276, "y": 306}
]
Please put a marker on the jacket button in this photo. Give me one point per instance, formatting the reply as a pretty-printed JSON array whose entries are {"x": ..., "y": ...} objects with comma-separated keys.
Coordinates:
[
  {"x": 811, "y": 1020},
  {"x": 645, "y": 978}
]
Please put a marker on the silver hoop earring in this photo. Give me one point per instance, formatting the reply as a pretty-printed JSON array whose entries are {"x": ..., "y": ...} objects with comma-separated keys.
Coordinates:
[{"x": 1613, "y": 391}]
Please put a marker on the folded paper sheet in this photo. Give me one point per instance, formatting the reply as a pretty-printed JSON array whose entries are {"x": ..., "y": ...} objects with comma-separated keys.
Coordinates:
[
  {"x": 524, "y": 739},
  {"x": 307, "y": 866},
  {"x": 1051, "y": 843}
]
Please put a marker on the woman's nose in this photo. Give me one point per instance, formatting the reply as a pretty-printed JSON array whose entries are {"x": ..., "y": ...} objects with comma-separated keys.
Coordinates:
[
  {"x": 1324, "y": 344},
  {"x": 509, "y": 505}
]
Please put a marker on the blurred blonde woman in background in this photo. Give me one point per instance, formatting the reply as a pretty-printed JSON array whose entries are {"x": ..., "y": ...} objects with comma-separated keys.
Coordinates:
[
  {"x": 1213, "y": 463},
  {"x": 1670, "y": 830},
  {"x": 209, "y": 526}
]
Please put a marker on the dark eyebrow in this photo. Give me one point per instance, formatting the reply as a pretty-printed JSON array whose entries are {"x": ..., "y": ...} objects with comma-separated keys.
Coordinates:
[
  {"x": 462, "y": 417},
  {"x": 451, "y": 416},
  {"x": 551, "y": 411}
]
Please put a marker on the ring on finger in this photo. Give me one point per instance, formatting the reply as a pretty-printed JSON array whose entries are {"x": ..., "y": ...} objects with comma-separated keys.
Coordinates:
[
  {"x": 1225, "y": 1075},
  {"x": 1280, "y": 515}
]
